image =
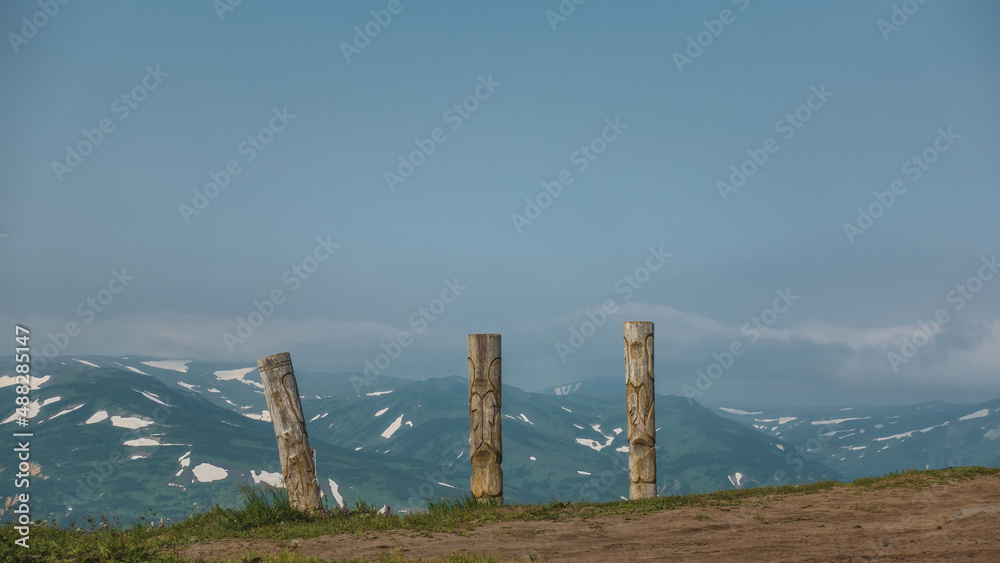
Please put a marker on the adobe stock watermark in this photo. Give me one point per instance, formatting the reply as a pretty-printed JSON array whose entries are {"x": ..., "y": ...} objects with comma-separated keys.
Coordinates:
[
  {"x": 566, "y": 8},
  {"x": 224, "y": 7},
  {"x": 431, "y": 480},
  {"x": 597, "y": 317},
  {"x": 797, "y": 456},
  {"x": 714, "y": 28},
  {"x": 787, "y": 126},
  {"x": 88, "y": 310},
  {"x": 419, "y": 321},
  {"x": 914, "y": 168},
  {"x": 599, "y": 484},
  {"x": 88, "y": 487},
  {"x": 456, "y": 115},
  {"x": 753, "y": 329},
  {"x": 364, "y": 34},
  {"x": 249, "y": 149},
  {"x": 293, "y": 277},
  {"x": 122, "y": 107},
  {"x": 30, "y": 26},
  {"x": 958, "y": 298},
  {"x": 898, "y": 17},
  {"x": 582, "y": 157}
]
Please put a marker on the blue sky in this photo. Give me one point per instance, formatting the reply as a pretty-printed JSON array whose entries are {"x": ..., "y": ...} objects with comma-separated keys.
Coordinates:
[{"x": 503, "y": 97}]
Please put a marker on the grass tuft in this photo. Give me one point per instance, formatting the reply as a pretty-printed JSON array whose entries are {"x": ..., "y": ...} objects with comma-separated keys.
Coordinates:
[{"x": 263, "y": 505}]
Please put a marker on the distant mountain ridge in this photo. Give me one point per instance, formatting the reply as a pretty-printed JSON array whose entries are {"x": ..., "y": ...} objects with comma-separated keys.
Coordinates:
[
  {"x": 874, "y": 440},
  {"x": 116, "y": 435}
]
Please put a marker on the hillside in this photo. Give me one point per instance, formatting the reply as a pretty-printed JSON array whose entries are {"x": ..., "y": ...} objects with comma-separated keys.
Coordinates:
[
  {"x": 117, "y": 435},
  {"x": 857, "y": 440},
  {"x": 873, "y": 440}
]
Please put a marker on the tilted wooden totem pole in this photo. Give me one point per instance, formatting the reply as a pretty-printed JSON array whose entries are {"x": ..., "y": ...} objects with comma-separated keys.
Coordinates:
[{"x": 297, "y": 465}]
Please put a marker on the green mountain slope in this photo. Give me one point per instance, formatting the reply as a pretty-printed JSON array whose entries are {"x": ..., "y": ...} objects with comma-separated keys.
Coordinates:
[{"x": 181, "y": 435}]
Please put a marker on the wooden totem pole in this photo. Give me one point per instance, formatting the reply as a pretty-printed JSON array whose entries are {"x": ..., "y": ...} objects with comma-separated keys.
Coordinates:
[
  {"x": 485, "y": 445},
  {"x": 639, "y": 404},
  {"x": 282, "y": 394}
]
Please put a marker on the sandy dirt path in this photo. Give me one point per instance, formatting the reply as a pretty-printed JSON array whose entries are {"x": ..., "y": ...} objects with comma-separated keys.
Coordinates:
[{"x": 959, "y": 521}]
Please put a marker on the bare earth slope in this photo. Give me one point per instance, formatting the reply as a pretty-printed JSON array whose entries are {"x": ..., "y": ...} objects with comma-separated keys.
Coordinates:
[{"x": 942, "y": 522}]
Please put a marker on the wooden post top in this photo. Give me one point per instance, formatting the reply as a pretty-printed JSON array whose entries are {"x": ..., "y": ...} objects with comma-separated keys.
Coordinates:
[{"x": 274, "y": 361}]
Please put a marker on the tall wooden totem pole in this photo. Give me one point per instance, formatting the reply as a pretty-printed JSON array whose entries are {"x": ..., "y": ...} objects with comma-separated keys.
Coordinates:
[
  {"x": 485, "y": 445},
  {"x": 639, "y": 404}
]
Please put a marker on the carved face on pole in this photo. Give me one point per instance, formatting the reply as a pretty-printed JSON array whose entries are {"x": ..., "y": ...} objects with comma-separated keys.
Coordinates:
[
  {"x": 485, "y": 444},
  {"x": 639, "y": 404}
]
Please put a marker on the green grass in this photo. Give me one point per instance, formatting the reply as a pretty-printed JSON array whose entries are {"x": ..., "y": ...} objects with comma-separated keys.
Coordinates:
[
  {"x": 918, "y": 479},
  {"x": 267, "y": 514}
]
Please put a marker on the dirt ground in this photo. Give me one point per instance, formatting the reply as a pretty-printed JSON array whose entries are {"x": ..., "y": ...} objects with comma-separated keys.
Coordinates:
[{"x": 960, "y": 521}]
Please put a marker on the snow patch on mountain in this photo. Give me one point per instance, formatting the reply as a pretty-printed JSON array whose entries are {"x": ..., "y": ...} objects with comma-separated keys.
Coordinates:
[
  {"x": 264, "y": 415},
  {"x": 594, "y": 444},
  {"x": 977, "y": 414},
  {"x": 237, "y": 375},
  {"x": 86, "y": 363},
  {"x": 33, "y": 408},
  {"x": 133, "y": 369},
  {"x": 393, "y": 427},
  {"x": 736, "y": 479},
  {"x": 132, "y": 422},
  {"x": 36, "y": 382},
  {"x": 377, "y": 393},
  {"x": 836, "y": 420},
  {"x": 992, "y": 434},
  {"x": 910, "y": 433},
  {"x": 229, "y": 374},
  {"x": 274, "y": 478},
  {"x": 97, "y": 417},
  {"x": 738, "y": 411},
  {"x": 175, "y": 365},
  {"x": 185, "y": 461},
  {"x": 206, "y": 473},
  {"x": 152, "y": 397},
  {"x": 525, "y": 418},
  {"x": 381, "y": 412},
  {"x": 335, "y": 491},
  {"x": 141, "y": 442},
  {"x": 188, "y": 386},
  {"x": 71, "y": 409},
  {"x": 318, "y": 416}
]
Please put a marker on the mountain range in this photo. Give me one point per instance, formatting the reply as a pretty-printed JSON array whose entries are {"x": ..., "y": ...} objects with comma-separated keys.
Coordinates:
[{"x": 122, "y": 435}]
